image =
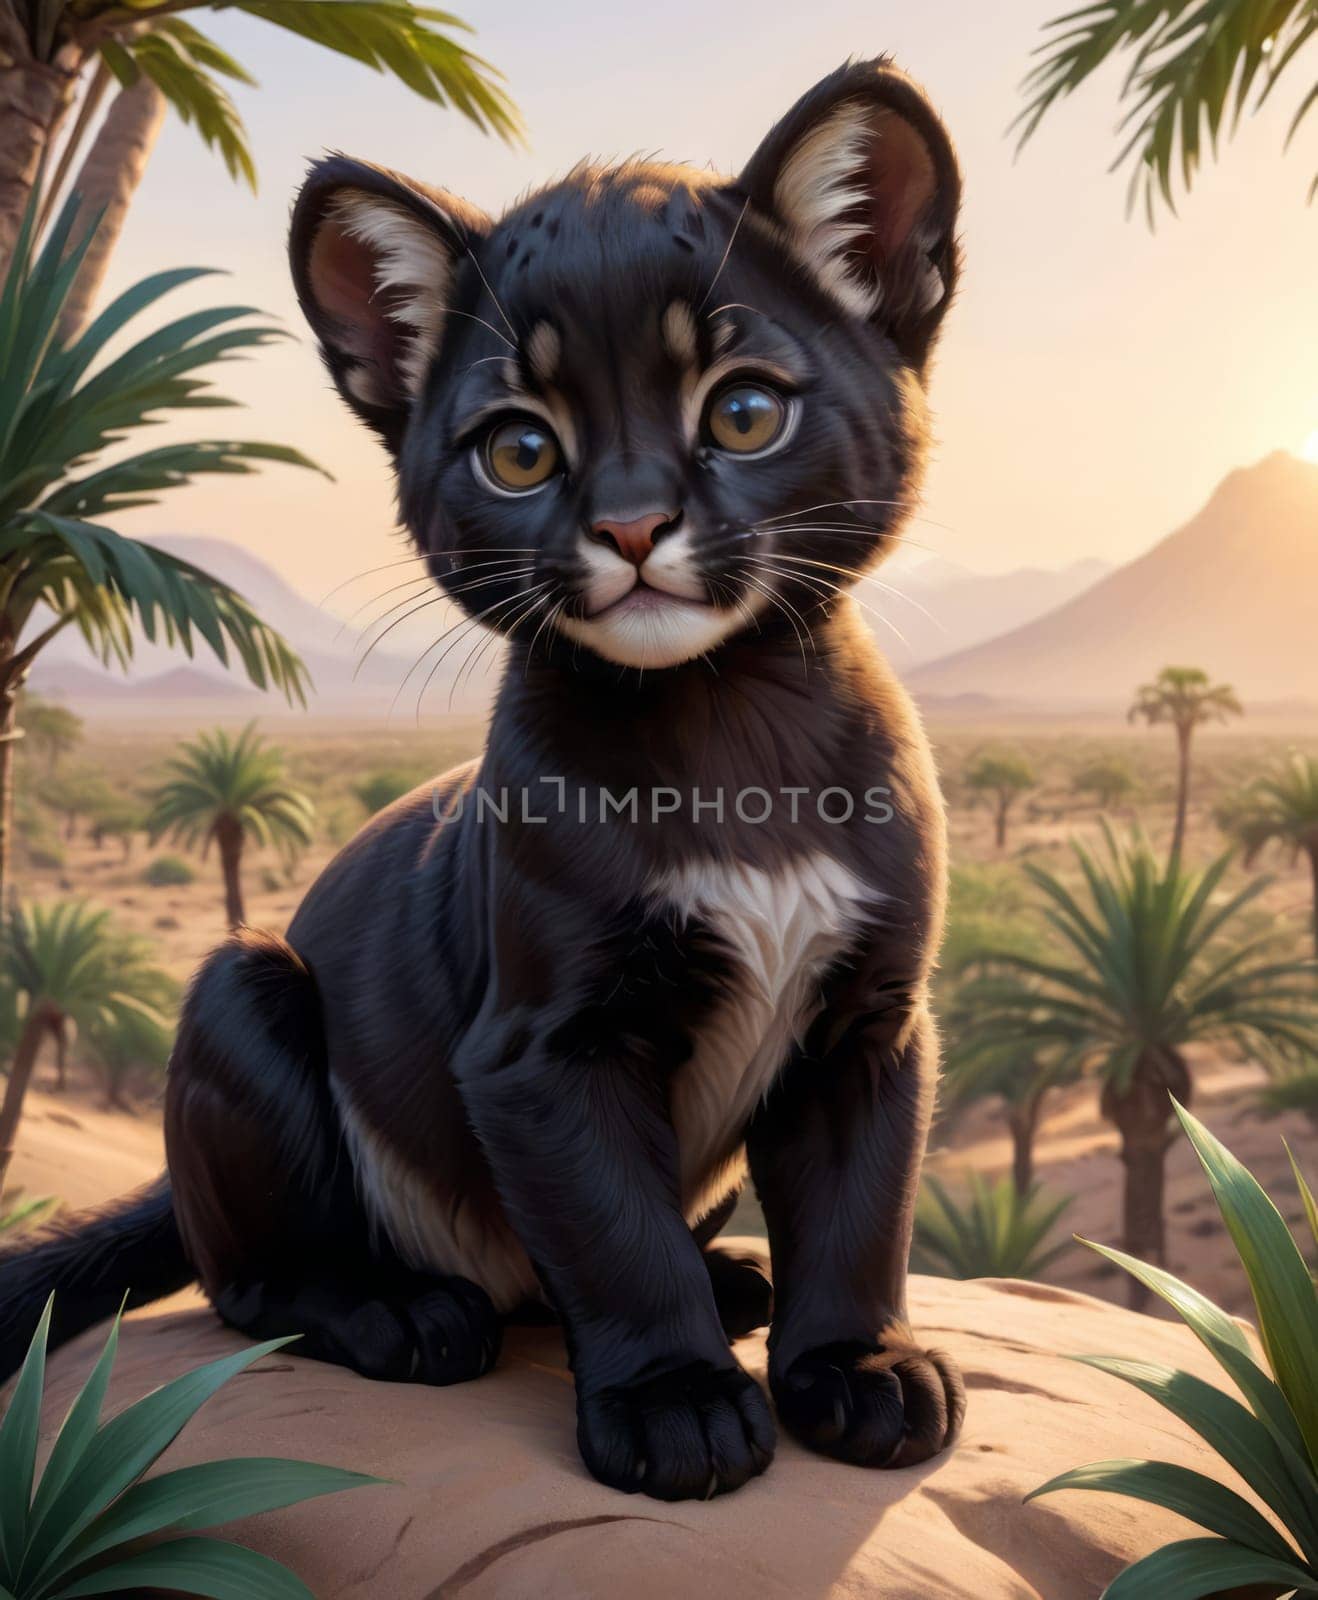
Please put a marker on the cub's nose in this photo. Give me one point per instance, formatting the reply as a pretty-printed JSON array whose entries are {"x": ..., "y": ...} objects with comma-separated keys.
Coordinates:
[{"x": 635, "y": 539}]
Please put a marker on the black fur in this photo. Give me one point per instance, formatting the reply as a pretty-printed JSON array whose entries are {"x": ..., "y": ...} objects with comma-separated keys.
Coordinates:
[{"x": 455, "y": 1085}]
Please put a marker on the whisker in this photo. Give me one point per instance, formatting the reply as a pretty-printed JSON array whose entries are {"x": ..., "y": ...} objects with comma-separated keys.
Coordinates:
[
  {"x": 857, "y": 577},
  {"x": 408, "y": 583},
  {"x": 388, "y": 566},
  {"x": 471, "y": 255},
  {"x": 512, "y": 624},
  {"x": 838, "y": 530},
  {"x": 434, "y": 600},
  {"x": 546, "y": 621},
  {"x": 776, "y": 600},
  {"x": 827, "y": 505},
  {"x": 509, "y": 600},
  {"x": 447, "y": 592},
  {"x": 463, "y": 620},
  {"x": 471, "y": 317},
  {"x": 732, "y": 239},
  {"x": 835, "y": 590}
]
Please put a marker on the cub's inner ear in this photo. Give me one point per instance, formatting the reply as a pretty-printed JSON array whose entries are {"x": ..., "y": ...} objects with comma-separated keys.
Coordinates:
[
  {"x": 374, "y": 257},
  {"x": 862, "y": 176}
]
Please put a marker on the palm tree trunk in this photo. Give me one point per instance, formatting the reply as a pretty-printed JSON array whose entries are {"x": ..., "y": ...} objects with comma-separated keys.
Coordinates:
[
  {"x": 20, "y": 1076},
  {"x": 35, "y": 97},
  {"x": 1144, "y": 1230},
  {"x": 1000, "y": 824},
  {"x": 60, "y": 1034},
  {"x": 1023, "y": 1120},
  {"x": 105, "y": 185},
  {"x": 1313, "y": 874},
  {"x": 1182, "y": 788},
  {"x": 229, "y": 837},
  {"x": 1142, "y": 1115},
  {"x": 10, "y": 734}
]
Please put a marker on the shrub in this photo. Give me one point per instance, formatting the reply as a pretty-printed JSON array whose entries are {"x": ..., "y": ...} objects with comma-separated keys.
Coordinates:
[
  {"x": 168, "y": 872},
  {"x": 380, "y": 789},
  {"x": 47, "y": 856},
  {"x": 997, "y": 1233},
  {"x": 1271, "y": 1441},
  {"x": 78, "y": 1529}
]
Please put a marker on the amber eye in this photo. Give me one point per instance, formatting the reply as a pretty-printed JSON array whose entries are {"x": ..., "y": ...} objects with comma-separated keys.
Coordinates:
[
  {"x": 745, "y": 418},
  {"x": 521, "y": 455}
]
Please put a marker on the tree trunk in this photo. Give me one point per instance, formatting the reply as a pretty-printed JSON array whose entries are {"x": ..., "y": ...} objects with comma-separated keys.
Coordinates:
[
  {"x": 20, "y": 1075},
  {"x": 105, "y": 185},
  {"x": 1142, "y": 1114},
  {"x": 229, "y": 837},
  {"x": 60, "y": 1034},
  {"x": 35, "y": 97},
  {"x": 1313, "y": 873},
  {"x": 10, "y": 734},
  {"x": 1023, "y": 1120},
  {"x": 1182, "y": 788},
  {"x": 1000, "y": 824}
]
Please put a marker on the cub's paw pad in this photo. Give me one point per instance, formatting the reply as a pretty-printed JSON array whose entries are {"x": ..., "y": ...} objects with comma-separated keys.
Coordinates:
[
  {"x": 743, "y": 1290},
  {"x": 685, "y": 1435},
  {"x": 456, "y": 1333},
  {"x": 890, "y": 1405}
]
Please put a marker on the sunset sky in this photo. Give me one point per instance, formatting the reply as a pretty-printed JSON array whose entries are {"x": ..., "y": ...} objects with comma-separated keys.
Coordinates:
[{"x": 1095, "y": 380}]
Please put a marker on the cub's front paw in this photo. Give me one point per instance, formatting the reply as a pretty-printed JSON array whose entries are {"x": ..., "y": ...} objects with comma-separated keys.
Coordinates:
[
  {"x": 684, "y": 1435},
  {"x": 885, "y": 1405}
]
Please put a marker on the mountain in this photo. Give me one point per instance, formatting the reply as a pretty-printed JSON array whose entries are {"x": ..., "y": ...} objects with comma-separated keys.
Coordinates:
[
  {"x": 1233, "y": 591},
  {"x": 71, "y": 680},
  {"x": 330, "y": 645},
  {"x": 936, "y": 604},
  {"x": 940, "y": 607}
]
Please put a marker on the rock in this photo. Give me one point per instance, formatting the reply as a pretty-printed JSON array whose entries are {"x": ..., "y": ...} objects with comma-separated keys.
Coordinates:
[{"x": 491, "y": 1502}]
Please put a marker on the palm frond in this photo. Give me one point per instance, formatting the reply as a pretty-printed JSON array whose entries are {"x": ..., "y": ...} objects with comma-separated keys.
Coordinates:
[
  {"x": 1194, "y": 67},
  {"x": 61, "y": 408}
]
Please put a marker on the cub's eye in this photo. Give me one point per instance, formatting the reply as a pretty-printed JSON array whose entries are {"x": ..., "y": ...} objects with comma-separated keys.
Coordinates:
[
  {"x": 745, "y": 418},
  {"x": 520, "y": 456}
]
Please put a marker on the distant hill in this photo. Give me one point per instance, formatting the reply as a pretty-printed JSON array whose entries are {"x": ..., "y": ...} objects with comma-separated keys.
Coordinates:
[
  {"x": 330, "y": 647},
  {"x": 940, "y": 607},
  {"x": 70, "y": 680},
  {"x": 1234, "y": 591}
]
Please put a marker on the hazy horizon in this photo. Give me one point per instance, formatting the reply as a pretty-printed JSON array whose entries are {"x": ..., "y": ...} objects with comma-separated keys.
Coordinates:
[{"x": 1095, "y": 381}]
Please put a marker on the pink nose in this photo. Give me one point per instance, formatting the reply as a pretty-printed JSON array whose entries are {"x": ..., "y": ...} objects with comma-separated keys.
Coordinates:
[{"x": 632, "y": 540}]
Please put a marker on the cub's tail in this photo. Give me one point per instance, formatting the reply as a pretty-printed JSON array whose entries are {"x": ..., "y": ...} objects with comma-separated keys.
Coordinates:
[{"x": 89, "y": 1261}]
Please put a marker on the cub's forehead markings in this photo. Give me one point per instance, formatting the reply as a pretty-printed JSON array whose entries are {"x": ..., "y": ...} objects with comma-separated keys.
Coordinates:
[
  {"x": 678, "y": 327},
  {"x": 544, "y": 350}
]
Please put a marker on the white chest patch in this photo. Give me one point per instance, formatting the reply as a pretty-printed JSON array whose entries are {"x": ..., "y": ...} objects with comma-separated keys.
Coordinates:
[{"x": 783, "y": 928}]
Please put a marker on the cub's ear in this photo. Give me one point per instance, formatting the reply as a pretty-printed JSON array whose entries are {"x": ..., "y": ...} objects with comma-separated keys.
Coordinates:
[
  {"x": 374, "y": 257},
  {"x": 862, "y": 177}
]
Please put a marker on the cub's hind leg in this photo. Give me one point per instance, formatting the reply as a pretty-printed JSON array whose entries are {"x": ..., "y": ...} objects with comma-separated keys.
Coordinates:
[
  {"x": 741, "y": 1279},
  {"x": 263, "y": 1186}
]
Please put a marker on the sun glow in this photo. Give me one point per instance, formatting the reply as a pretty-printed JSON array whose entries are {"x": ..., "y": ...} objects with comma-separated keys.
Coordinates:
[{"x": 1309, "y": 449}]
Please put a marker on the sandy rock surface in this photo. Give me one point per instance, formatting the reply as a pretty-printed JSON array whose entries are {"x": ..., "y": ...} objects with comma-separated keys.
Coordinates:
[{"x": 491, "y": 1501}]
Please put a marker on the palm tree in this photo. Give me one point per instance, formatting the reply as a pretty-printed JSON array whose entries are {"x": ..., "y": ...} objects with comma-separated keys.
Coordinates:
[
  {"x": 1108, "y": 778},
  {"x": 1280, "y": 807},
  {"x": 981, "y": 1066},
  {"x": 1149, "y": 968},
  {"x": 70, "y": 969},
  {"x": 1184, "y": 697},
  {"x": 135, "y": 1041},
  {"x": 61, "y": 565},
  {"x": 51, "y": 48},
  {"x": 1002, "y": 777},
  {"x": 1193, "y": 69},
  {"x": 230, "y": 790},
  {"x": 53, "y": 729}
]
